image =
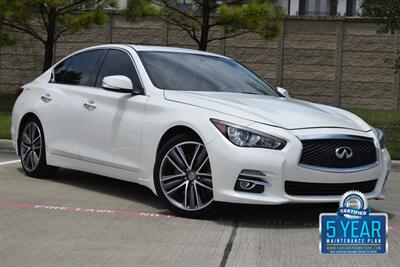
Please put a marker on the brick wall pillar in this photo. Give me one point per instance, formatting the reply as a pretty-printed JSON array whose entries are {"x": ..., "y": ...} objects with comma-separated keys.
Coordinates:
[
  {"x": 338, "y": 63},
  {"x": 280, "y": 49}
]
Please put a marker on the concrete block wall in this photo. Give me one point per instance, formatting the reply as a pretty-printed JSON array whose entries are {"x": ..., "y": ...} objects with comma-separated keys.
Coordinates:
[
  {"x": 309, "y": 60},
  {"x": 366, "y": 79},
  {"x": 337, "y": 61}
]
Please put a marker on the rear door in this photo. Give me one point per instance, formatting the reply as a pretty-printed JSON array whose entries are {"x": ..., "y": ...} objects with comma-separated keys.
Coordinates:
[
  {"x": 62, "y": 102},
  {"x": 112, "y": 121}
]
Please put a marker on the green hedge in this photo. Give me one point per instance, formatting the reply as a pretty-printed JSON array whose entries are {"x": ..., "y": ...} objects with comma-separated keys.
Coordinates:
[{"x": 6, "y": 104}]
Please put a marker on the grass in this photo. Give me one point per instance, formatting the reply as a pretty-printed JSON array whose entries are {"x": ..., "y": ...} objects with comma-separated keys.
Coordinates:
[
  {"x": 5, "y": 125},
  {"x": 6, "y": 104},
  {"x": 387, "y": 120}
]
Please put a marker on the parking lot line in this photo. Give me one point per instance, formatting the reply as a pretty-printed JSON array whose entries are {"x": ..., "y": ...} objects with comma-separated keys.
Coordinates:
[{"x": 9, "y": 162}]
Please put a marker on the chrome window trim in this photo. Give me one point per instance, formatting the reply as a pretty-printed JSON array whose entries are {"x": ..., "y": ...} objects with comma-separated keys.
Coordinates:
[{"x": 106, "y": 49}]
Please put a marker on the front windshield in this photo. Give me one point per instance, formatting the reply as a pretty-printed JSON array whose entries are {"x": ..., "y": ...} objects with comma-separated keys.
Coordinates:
[{"x": 195, "y": 72}]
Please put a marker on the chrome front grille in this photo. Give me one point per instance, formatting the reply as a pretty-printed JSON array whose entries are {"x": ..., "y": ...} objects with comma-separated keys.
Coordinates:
[{"x": 346, "y": 152}]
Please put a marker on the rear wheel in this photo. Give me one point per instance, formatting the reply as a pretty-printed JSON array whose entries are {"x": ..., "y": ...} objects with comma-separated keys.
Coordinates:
[
  {"x": 182, "y": 176},
  {"x": 31, "y": 145}
]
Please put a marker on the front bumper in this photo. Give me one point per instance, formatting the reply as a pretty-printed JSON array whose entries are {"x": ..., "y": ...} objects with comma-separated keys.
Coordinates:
[{"x": 228, "y": 160}]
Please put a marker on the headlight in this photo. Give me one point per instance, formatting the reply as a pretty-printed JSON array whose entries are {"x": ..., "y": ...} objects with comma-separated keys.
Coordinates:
[
  {"x": 245, "y": 137},
  {"x": 381, "y": 137}
]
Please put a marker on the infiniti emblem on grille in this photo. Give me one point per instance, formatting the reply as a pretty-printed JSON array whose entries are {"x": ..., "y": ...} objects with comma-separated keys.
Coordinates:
[{"x": 343, "y": 152}]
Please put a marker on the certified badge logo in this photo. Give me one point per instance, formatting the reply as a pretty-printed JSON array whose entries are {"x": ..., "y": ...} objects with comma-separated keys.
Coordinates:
[
  {"x": 353, "y": 229},
  {"x": 353, "y": 205}
]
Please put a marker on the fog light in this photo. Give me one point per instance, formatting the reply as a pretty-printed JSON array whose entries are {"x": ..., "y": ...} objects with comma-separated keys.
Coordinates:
[
  {"x": 249, "y": 186},
  {"x": 251, "y": 181},
  {"x": 246, "y": 185}
]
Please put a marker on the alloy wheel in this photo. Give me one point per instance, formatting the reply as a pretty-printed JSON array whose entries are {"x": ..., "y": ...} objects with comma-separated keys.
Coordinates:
[
  {"x": 31, "y": 146},
  {"x": 185, "y": 176}
]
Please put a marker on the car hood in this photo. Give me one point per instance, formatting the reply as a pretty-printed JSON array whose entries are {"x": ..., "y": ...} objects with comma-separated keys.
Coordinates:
[{"x": 281, "y": 112}]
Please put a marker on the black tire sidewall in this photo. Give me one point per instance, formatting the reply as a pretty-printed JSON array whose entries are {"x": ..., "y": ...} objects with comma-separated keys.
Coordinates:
[
  {"x": 202, "y": 213},
  {"x": 42, "y": 168}
]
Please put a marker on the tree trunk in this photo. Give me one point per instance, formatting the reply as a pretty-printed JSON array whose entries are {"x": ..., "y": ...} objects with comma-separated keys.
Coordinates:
[
  {"x": 49, "y": 44},
  {"x": 205, "y": 27},
  {"x": 48, "y": 55}
]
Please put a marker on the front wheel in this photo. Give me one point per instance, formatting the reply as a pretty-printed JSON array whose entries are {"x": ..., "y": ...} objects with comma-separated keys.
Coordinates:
[{"x": 182, "y": 176}]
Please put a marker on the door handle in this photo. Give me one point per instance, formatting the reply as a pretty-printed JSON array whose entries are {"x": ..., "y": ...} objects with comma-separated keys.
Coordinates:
[
  {"x": 45, "y": 98},
  {"x": 89, "y": 105}
]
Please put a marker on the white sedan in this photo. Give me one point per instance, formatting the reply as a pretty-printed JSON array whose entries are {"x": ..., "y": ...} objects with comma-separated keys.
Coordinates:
[{"x": 194, "y": 127}]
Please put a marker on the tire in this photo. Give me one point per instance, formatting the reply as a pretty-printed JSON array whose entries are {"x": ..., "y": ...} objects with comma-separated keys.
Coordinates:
[
  {"x": 32, "y": 149},
  {"x": 182, "y": 177}
]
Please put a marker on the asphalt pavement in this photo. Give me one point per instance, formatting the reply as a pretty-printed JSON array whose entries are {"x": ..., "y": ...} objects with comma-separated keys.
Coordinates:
[{"x": 80, "y": 219}]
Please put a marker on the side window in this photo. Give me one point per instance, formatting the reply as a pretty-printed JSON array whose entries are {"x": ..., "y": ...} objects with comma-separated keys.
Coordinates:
[
  {"x": 81, "y": 68},
  {"x": 118, "y": 63},
  {"x": 60, "y": 70}
]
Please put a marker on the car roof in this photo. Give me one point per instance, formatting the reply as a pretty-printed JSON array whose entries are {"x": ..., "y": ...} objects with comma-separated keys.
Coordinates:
[
  {"x": 152, "y": 48},
  {"x": 171, "y": 49}
]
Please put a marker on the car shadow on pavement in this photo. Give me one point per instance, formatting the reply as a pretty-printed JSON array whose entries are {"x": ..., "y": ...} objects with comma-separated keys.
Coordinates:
[
  {"x": 106, "y": 185},
  {"x": 254, "y": 216},
  {"x": 277, "y": 216}
]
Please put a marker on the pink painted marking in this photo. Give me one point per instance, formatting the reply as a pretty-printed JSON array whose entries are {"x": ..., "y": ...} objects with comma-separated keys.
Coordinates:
[
  {"x": 120, "y": 213},
  {"x": 394, "y": 228}
]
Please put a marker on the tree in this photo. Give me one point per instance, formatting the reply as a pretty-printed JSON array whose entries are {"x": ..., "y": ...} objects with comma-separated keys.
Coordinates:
[
  {"x": 387, "y": 15},
  {"x": 48, "y": 20},
  {"x": 235, "y": 17}
]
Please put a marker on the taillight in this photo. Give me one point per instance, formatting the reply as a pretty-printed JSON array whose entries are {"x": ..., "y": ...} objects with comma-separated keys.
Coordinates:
[{"x": 19, "y": 91}]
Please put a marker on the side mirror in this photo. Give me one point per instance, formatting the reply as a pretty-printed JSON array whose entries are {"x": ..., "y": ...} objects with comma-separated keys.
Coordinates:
[
  {"x": 283, "y": 91},
  {"x": 119, "y": 83}
]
